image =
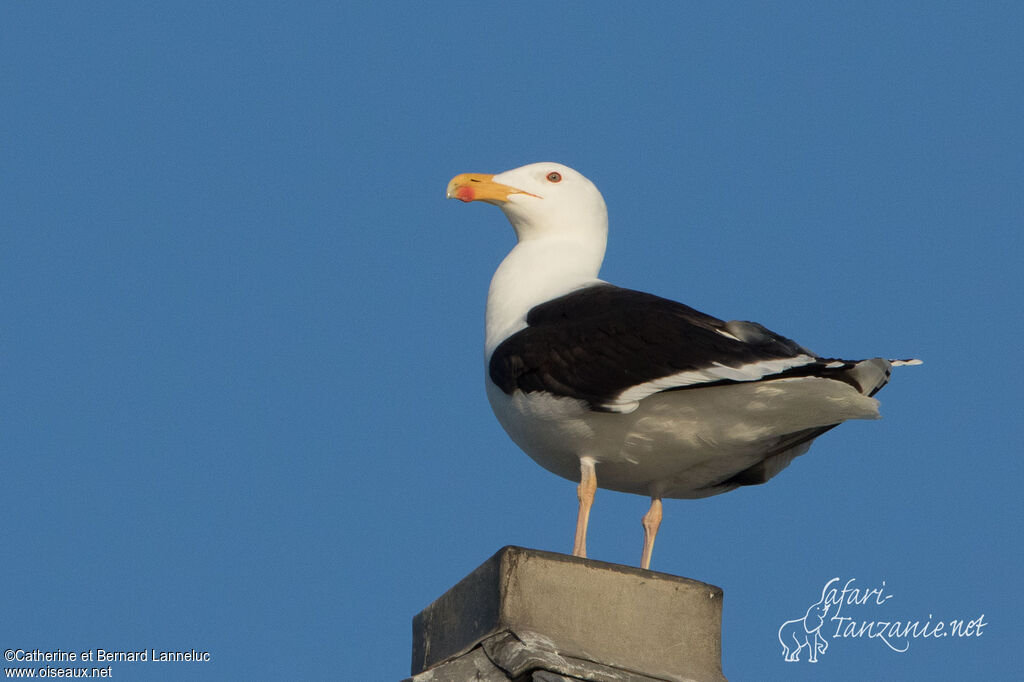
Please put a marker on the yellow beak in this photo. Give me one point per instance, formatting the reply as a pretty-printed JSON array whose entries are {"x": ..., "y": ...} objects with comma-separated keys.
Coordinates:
[{"x": 481, "y": 187}]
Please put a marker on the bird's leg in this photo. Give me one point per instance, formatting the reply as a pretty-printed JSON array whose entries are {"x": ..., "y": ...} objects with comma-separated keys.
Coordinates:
[
  {"x": 585, "y": 493},
  {"x": 651, "y": 521}
]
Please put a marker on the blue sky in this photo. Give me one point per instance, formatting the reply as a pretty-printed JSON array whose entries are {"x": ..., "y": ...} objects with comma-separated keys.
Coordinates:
[{"x": 241, "y": 355}]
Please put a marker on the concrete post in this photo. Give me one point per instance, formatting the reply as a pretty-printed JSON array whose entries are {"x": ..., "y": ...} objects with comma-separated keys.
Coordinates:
[{"x": 545, "y": 617}]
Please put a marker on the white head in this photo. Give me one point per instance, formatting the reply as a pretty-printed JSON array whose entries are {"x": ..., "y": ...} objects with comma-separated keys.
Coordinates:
[
  {"x": 562, "y": 226},
  {"x": 541, "y": 200}
]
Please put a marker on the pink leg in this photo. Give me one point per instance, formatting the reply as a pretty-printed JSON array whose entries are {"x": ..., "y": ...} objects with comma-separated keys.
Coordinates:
[
  {"x": 585, "y": 492},
  {"x": 651, "y": 521}
]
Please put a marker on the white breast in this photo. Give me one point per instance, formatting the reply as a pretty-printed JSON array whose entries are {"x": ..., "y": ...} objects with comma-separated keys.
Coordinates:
[{"x": 678, "y": 443}]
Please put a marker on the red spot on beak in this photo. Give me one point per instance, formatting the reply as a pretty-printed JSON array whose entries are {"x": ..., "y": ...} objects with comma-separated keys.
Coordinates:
[{"x": 465, "y": 193}]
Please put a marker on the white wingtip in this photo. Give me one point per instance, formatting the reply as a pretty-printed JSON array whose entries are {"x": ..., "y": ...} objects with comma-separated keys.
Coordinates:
[{"x": 906, "y": 363}]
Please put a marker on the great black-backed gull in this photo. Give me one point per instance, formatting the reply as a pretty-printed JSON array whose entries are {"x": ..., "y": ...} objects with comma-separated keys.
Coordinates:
[{"x": 627, "y": 391}]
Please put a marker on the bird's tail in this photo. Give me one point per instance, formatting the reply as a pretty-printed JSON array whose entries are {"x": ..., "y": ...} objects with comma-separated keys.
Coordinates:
[{"x": 871, "y": 375}]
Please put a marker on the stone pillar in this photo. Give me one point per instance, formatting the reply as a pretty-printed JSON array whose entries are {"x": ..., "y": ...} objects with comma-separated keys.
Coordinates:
[{"x": 545, "y": 617}]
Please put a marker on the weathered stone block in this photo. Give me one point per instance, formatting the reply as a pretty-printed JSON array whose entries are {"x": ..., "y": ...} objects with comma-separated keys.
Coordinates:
[{"x": 533, "y": 612}]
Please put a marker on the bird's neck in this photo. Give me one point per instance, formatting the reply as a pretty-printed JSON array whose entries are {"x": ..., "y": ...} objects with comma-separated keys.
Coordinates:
[{"x": 535, "y": 271}]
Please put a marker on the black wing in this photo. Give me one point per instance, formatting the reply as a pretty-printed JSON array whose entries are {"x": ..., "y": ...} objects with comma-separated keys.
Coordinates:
[{"x": 596, "y": 343}]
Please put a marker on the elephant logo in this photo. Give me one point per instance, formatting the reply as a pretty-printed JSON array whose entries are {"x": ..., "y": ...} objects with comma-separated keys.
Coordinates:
[{"x": 794, "y": 635}]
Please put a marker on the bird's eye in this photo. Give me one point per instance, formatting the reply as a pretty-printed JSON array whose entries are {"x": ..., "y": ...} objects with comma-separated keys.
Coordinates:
[{"x": 554, "y": 176}]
